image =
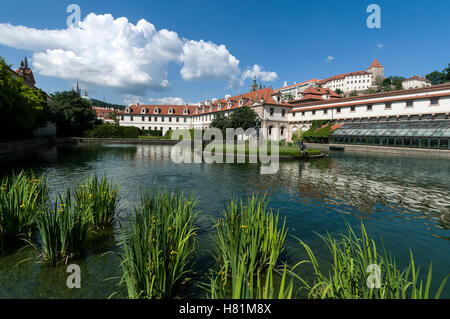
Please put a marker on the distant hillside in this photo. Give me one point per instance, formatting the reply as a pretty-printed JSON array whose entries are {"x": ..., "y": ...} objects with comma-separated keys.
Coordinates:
[{"x": 98, "y": 103}]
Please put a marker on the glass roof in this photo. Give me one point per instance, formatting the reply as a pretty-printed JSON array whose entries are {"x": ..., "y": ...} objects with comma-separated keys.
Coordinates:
[{"x": 434, "y": 128}]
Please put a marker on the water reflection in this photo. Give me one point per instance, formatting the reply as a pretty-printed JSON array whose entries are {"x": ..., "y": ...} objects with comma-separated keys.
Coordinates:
[{"x": 404, "y": 200}]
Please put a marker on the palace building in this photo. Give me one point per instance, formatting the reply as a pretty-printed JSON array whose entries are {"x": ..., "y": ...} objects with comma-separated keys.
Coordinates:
[
  {"x": 267, "y": 103},
  {"x": 418, "y": 117},
  {"x": 281, "y": 119},
  {"x": 347, "y": 82}
]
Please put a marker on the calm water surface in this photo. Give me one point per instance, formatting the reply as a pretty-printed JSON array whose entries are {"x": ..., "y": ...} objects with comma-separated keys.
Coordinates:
[{"x": 403, "y": 201}]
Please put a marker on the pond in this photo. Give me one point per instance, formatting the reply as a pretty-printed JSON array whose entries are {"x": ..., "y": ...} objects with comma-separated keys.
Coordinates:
[{"x": 405, "y": 201}]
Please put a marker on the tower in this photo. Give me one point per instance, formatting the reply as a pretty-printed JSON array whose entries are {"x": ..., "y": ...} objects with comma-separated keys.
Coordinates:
[
  {"x": 377, "y": 70},
  {"x": 25, "y": 72},
  {"x": 78, "y": 89},
  {"x": 254, "y": 86}
]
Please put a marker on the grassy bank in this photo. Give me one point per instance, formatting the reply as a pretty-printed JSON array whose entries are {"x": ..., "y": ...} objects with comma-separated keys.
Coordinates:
[{"x": 265, "y": 149}]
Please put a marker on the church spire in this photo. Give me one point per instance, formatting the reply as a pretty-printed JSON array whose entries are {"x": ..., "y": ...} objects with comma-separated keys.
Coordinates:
[
  {"x": 26, "y": 63},
  {"x": 78, "y": 89},
  {"x": 254, "y": 86}
]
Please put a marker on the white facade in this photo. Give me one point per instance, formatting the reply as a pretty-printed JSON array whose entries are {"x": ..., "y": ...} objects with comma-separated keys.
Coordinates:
[
  {"x": 281, "y": 120},
  {"x": 415, "y": 82},
  {"x": 346, "y": 82},
  {"x": 350, "y": 83},
  {"x": 432, "y": 102},
  {"x": 155, "y": 122}
]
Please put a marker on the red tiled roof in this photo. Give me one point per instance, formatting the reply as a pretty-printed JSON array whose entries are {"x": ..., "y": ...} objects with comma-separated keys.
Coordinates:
[
  {"x": 103, "y": 112},
  {"x": 247, "y": 98},
  {"x": 333, "y": 127},
  {"x": 375, "y": 64},
  {"x": 315, "y": 94},
  {"x": 298, "y": 84},
  {"x": 162, "y": 109},
  {"x": 417, "y": 78},
  {"x": 26, "y": 71}
]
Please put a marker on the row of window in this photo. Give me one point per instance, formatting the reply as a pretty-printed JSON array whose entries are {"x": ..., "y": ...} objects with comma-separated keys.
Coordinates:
[
  {"x": 369, "y": 107},
  {"x": 160, "y": 128},
  {"x": 436, "y": 143},
  {"x": 282, "y": 130},
  {"x": 155, "y": 119},
  {"x": 271, "y": 112}
]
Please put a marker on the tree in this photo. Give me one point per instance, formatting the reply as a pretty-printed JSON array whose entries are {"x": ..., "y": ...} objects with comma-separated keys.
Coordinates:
[
  {"x": 339, "y": 91},
  {"x": 72, "y": 114},
  {"x": 22, "y": 108},
  {"x": 396, "y": 82},
  {"x": 436, "y": 77},
  {"x": 243, "y": 117},
  {"x": 447, "y": 73},
  {"x": 353, "y": 93},
  {"x": 221, "y": 122}
]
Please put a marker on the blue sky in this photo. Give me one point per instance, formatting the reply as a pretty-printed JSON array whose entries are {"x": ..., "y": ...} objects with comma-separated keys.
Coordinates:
[{"x": 287, "y": 40}]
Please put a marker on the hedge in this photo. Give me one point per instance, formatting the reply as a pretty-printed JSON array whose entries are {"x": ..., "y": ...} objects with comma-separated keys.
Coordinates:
[{"x": 112, "y": 130}]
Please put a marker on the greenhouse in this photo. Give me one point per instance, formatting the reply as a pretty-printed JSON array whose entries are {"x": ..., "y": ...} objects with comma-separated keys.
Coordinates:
[{"x": 420, "y": 134}]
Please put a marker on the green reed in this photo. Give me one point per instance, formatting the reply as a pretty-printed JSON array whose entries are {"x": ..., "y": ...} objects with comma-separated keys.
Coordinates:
[
  {"x": 98, "y": 196},
  {"x": 158, "y": 245},
  {"x": 349, "y": 274},
  {"x": 247, "y": 246},
  {"x": 22, "y": 197},
  {"x": 62, "y": 230}
]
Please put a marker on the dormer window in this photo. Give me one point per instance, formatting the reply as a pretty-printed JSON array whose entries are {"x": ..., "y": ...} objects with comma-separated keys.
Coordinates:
[
  {"x": 229, "y": 104},
  {"x": 186, "y": 111},
  {"x": 128, "y": 110},
  {"x": 171, "y": 111},
  {"x": 241, "y": 101},
  {"x": 299, "y": 96},
  {"x": 144, "y": 110},
  {"x": 156, "y": 111}
]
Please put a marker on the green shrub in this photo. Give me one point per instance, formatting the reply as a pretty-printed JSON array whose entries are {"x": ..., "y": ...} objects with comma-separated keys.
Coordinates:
[
  {"x": 113, "y": 131},
  {"x": 151, "y": 132},
  {"x": 158, "y": 245},
  {"x": 168, "y": 134},
  {"x": 22, "y": 198},
  {"x": 316, "y": 134}
]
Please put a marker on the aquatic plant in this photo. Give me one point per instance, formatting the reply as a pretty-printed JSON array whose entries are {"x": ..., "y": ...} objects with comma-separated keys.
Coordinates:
[
  {"x": 62, "y": 230},
  {"x": 352, "y": 276},
  {"x": 22, "y": 197},
  {"x": 158, "y": 245},
  {"x": 97, "y": 197},
  {"x": 247, "y": 245},
  {"x": 246, "y": 282}
]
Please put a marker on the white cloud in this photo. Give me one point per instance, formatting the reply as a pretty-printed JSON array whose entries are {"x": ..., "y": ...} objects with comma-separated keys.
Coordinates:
[
  {"x": 329, "y": 58},
  {"x": 203, "y": 60},
  {"x": 112, "y": 52},
  {"x": 133, "y": 99},
  {"x": 380, "y": 45},
  {"x": 261, "y": 75},
  {"x": 167, "y": 101}
]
